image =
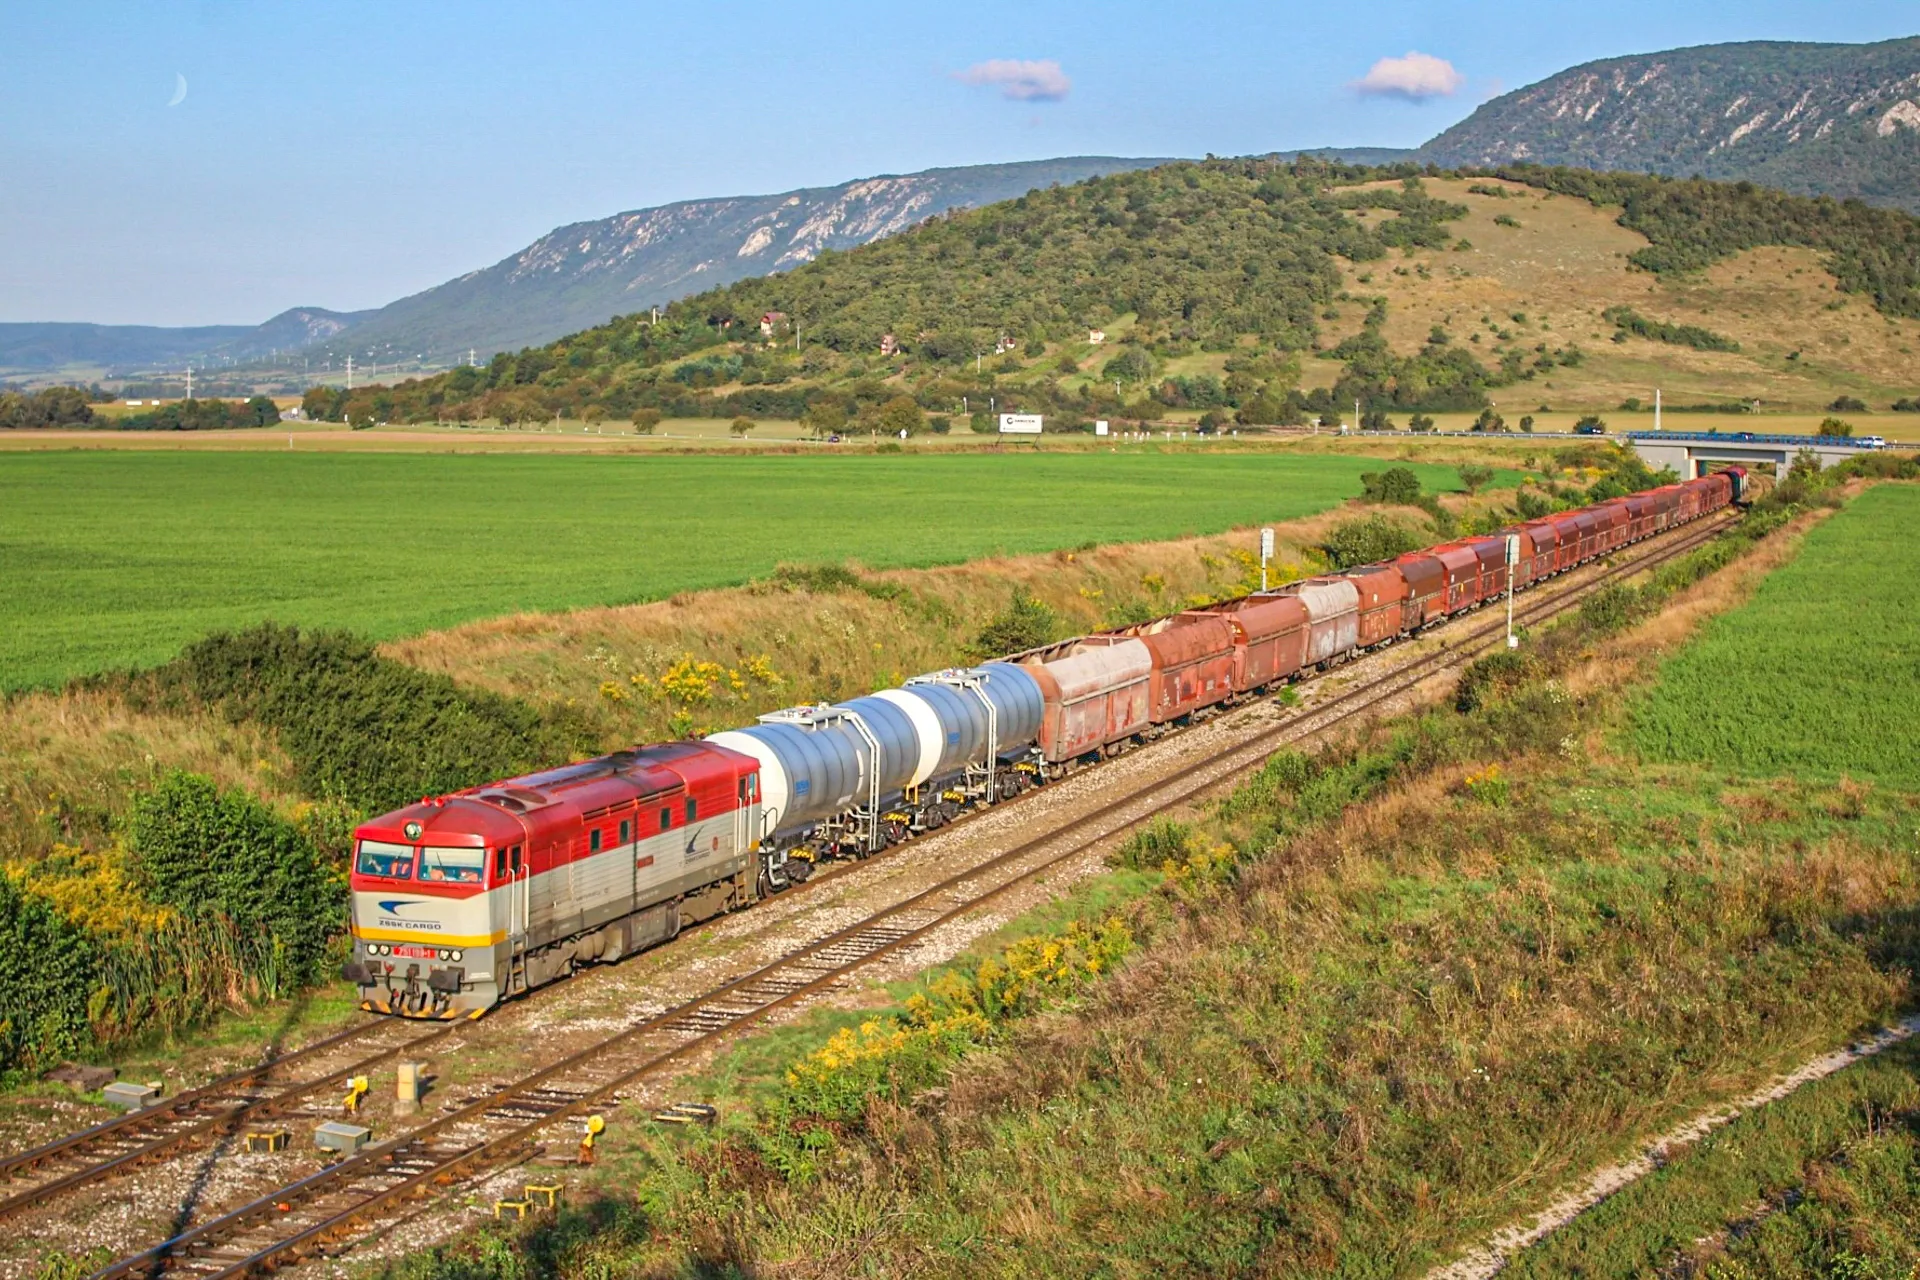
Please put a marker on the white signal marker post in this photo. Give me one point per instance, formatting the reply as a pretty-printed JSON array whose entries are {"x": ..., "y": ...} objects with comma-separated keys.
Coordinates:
[
  {"x": 1266, "y": 554},
  {"x": 1513, "y": 561}
]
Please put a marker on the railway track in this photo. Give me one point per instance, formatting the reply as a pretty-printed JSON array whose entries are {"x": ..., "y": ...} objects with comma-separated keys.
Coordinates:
[
  {"x": 275, "y": 1089},
  {"x": 321, "y": 1211}
]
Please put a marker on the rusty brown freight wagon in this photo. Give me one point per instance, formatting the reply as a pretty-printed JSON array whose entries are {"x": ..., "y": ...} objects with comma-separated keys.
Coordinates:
[
  {"x": 1192, "y": 663},
  {"x": 1462, "y": 567},
  {"x": 1426, "y": 581},
  {"x": 1096, "y": 690},
  {"x": 1269, "y": 638},
  {"x": 1383, "y": 593}
]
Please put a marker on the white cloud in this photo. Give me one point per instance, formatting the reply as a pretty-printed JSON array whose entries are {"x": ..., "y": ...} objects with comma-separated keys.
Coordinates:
[
  {"x": 1020, "y": 80},
  {"x": 1416, "y": 77}
]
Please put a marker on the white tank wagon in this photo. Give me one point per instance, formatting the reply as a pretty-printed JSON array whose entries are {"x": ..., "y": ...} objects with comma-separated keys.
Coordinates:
[{"x": 857, "y": 776}]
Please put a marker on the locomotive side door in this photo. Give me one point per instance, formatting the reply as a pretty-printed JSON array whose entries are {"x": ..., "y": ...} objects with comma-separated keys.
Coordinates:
[{"x": 511, "y": 875}]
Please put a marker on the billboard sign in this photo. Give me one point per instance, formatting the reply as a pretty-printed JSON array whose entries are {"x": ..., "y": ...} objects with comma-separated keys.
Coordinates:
[{"x": 1020, "y": 424}]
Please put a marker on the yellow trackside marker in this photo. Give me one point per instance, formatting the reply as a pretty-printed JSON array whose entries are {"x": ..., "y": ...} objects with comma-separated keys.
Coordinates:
[
  {"x": 356, "y": 1090},
  {"x": 596, "y": 1125}
]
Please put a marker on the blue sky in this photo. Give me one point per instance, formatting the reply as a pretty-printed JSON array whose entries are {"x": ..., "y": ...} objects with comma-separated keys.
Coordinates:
[{"x": 346, "y": 154}]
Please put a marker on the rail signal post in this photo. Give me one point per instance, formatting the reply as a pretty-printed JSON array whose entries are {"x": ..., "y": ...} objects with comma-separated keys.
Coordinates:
[
  {"x": 1266, "y": 554},
  {"x": 1513, "y": 562}
]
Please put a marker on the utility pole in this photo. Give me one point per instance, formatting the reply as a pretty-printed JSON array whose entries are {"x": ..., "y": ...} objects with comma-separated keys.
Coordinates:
[
  {"x": 189, "y": 382},
  {"x": 1656, "y": 408},
  {"x": 470, "y": 360},
  {"x": 349, "y": 373}
]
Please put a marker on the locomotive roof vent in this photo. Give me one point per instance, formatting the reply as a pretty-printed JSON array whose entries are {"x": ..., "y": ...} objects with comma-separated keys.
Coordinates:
[{"x": 514, "y": 799}]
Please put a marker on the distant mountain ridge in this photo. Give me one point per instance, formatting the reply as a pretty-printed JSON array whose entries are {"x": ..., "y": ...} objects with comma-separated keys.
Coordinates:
[
  {"x": 26, "y": 347},
  {"x": 585, "y": 273},
  {"x": 1813, "y": 119}
]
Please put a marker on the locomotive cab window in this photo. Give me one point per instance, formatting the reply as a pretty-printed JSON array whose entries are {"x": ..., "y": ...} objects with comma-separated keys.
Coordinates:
[
  {"x": 513, "y": 860},
  {"x": 693, "y": 807},
  {"x": 626, "y": 830},
  {"x": 453, "y": 866},
  {"x": 666, "y": 819},
  {"x": 593, "y": 840},
  {"x": 499, "y": 864},
  {"x": 378, "y": 858}
]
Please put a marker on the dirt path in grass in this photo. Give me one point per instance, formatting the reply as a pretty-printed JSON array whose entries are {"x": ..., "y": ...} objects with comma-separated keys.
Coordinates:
[{"x": 1491, "y": 1257}]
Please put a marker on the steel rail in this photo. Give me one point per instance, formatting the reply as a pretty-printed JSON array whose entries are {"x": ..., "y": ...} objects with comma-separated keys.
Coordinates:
[
  {"x": 179, "y": 1121},
  {"x": 411, "y": 1164}
]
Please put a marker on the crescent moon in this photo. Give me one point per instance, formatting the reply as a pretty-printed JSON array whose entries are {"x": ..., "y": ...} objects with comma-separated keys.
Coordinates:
[{"x": 179, "y": 89}]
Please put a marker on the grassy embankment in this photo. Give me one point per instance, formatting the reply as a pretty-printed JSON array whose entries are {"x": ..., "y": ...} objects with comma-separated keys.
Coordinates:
[{"x": 1384, "y": 1000}]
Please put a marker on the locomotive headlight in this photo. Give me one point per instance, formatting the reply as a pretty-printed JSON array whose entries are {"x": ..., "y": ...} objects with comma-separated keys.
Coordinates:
[{"x": 453, "y": 955}]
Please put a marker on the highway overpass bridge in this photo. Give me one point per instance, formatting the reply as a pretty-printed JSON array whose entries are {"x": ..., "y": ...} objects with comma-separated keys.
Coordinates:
[{"x": 1694, "y": 453}]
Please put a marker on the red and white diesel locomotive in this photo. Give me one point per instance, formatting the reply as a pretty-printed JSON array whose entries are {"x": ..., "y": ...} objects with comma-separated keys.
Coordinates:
[{"x": 463, "y": 900}]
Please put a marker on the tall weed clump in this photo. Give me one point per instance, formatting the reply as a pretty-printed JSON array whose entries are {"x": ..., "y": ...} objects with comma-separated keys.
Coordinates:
[
  {"x": 210, "y": 901},
  {"x": 224, "y": 857},
  {"x": 49, "y": 971},
  {"x": 363, "y": 728}
]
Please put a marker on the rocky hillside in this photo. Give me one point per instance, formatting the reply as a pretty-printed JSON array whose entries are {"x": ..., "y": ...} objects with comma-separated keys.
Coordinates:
[
  {"x": 585, "y": 273},
  {"x": 1815, "y": 119}
]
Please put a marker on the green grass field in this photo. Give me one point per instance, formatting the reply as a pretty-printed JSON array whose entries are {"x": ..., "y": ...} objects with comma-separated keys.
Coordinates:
[
  {"x": 1815, "y": 676},
  {"x": 117, "y": 559}
]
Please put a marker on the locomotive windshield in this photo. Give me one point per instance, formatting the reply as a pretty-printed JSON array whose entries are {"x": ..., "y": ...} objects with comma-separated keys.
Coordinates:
[
  {"x": 458, "y": 866},
  {"x": 378, "y": 858}
]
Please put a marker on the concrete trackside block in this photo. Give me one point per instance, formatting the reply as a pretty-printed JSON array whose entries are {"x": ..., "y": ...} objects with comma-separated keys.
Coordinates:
[
  {"x": 129, "y": 1096},
  {"x": 345, "y": 1138}
]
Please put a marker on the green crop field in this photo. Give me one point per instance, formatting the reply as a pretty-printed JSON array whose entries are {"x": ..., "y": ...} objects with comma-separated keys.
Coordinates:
[
  {"x": 1816, "y": 675},
  {"x": 118, "y": 559}
]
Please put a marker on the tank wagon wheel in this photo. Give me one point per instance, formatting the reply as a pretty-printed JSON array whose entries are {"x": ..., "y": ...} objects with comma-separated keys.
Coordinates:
[
  {"x": 934, "y": 817},
  {"x": 799, "y": 870},
  {"x": 895, "y": 832}
]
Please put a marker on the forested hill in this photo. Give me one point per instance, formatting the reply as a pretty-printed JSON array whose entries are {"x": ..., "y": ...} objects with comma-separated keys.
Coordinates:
[
  {"x": 1244, "y": 258},
  {"x": 1816, "y": 119},
  {"x": 587, "y": 272}
]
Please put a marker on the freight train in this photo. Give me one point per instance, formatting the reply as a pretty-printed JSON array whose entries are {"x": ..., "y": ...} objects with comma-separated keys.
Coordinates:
[{"x": 463, "y": 900}]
